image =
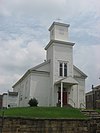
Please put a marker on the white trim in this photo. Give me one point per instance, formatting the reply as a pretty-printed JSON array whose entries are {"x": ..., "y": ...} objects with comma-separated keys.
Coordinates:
[
  {"x": 58, "y": 42},
  {"x": 61, "y": 94},
  {"x": 63, "y": 63},
  {"x": 58, "y": 23},
  {"x": 63, "y": 69},
  {"x": 77, "y": 97},
  {"x": 28, "y": 73},
  {"x": 40, "y": 65},
  {"x": 78, "y": 70}
]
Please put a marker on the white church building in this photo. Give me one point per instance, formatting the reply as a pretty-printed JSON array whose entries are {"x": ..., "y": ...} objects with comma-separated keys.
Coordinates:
[{"x": 56, "y": 81}]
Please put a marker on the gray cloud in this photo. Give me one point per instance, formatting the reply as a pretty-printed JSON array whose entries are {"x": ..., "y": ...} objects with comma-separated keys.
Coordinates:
[
  {"x": 15, "y": 60},
  {"x": 51, "y": 7},
  {"x": 23, "y": 35},
  {"x": 87, "y": 57}
]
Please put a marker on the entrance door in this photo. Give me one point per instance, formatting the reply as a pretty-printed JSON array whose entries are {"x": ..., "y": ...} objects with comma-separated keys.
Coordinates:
[{"x": 64, "y": 97}]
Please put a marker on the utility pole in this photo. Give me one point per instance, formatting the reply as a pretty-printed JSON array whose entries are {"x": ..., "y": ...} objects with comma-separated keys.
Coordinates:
[
  {"x": 2, "y": 120},
  {"x": 93, "y": 96}
]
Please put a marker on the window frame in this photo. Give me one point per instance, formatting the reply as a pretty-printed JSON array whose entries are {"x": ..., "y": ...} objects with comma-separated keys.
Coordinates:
[
  {"x": 64, "y": 68},
  {"x": 60, "y": 69}
]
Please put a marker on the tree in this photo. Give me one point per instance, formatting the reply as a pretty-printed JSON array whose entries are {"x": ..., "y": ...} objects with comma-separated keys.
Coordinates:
[{"x": 33, "y": 102}]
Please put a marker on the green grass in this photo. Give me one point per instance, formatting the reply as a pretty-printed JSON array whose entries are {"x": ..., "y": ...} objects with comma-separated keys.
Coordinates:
[
  {"x": 43, "y": 112},
  {"x": 98, "y": 110}
]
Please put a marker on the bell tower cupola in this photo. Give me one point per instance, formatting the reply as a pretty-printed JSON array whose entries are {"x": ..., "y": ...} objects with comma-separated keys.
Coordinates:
[{"x": 59, "y": 31}]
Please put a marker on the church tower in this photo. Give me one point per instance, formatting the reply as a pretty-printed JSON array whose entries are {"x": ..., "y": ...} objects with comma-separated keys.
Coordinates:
[
  {"x": 60, "y": 50},
  {"x": 59, "y": 31},
  {"x": 60, "y": 53}
]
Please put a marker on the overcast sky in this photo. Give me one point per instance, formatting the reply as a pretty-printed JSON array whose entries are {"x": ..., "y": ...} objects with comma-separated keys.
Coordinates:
[{"x": 24, "y": 34}]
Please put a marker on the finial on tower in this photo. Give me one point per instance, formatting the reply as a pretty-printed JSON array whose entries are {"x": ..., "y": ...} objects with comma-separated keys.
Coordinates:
[{"x": 59, "y": 19}]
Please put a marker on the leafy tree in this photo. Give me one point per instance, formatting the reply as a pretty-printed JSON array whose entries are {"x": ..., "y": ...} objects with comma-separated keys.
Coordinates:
[{"x": 33, "y": 102}]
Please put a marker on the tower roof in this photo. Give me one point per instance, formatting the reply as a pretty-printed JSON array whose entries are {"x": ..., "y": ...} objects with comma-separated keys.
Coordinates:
[{"x": 58, "y": 23}]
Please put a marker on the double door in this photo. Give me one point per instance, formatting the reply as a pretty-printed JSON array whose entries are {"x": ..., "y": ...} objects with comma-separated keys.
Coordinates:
[{"x": 64, "y": 97}]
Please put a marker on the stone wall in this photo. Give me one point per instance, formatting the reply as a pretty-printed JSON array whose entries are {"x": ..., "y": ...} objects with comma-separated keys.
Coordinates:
[{"x": 19, "y": 125}]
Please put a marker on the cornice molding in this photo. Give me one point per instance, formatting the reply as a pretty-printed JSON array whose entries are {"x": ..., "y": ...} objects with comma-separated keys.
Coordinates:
[{"x": 60, "y": 42}]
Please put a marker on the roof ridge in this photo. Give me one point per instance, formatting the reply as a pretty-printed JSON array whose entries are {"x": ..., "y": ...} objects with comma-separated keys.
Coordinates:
[
  {"x": 39, "y": 65},
  {"x": 80, "y": 71}
]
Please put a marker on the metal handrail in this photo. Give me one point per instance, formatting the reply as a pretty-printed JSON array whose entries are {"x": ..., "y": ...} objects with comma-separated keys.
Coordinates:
[
  {"x": 72, "y": 101},
  {"x": 81, "y": 104}
]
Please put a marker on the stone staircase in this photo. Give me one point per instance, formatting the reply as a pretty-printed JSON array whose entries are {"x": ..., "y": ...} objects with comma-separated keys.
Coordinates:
[{"x": 91, "y": 113}]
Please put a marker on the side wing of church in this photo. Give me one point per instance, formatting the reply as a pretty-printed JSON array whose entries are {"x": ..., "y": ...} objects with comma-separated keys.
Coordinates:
[{"x": 55, "y": 82}]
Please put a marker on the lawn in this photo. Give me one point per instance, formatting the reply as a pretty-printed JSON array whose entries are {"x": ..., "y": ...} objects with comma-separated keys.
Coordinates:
[
  {"x": 43, "y": 112},
  {"x": 98, "y": 110}
]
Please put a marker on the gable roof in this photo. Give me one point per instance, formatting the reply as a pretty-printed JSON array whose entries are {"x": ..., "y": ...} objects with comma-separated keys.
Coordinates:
[
  {"x": 33, "y": 70},
  {"x": 97, "y": 87},
  {"x": 89, "y": 93},
  {"x": 79, "y": 71},
  {"x": 68, "y": 80},
  {"x": 40, "y": 65}
]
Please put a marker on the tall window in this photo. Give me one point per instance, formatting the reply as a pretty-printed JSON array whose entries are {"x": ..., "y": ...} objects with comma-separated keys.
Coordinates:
[
  {"x": 60, "y": 69},
  {"x": 63, "y": 69}
]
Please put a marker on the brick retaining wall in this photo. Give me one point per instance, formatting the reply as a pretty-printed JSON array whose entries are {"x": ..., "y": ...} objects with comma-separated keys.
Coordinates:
[{"x": 22, "y": 125}]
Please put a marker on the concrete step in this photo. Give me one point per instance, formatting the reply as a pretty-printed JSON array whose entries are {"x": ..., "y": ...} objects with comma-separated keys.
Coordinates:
[{"x": 91, "y": 113}]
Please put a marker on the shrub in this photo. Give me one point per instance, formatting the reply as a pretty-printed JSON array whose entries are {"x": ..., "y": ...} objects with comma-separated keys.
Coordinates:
[{"x": 33, "y": 102}]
